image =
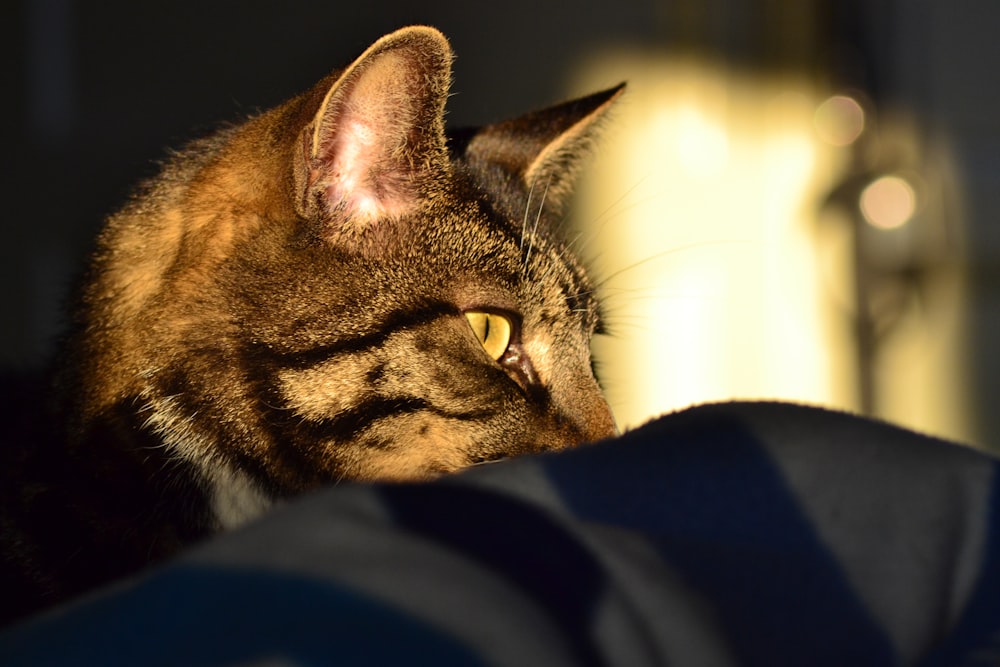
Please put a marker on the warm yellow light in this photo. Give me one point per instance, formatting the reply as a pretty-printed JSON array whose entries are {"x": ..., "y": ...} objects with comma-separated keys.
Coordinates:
[
  {"x": 713, "y": 287},
  {"x": 839, "y": 120},
  {"x": 724, "y": 275},
  {"x": 888, "y": 202},
  {"x": 702, "y": 143}
]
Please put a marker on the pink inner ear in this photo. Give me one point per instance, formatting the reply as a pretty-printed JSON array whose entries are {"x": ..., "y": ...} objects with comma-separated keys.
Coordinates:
[
  {"x": 350, "y": 186},
  {"x": 362, "y": 177},
  {"x": 378, "y": 136}
]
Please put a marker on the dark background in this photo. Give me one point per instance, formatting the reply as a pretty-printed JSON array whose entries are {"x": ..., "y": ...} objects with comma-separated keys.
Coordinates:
[{"x": 95, "y": 92}]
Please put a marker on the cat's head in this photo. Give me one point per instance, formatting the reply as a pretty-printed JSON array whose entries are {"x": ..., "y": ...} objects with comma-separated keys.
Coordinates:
[{"x": 339, "y": 289}]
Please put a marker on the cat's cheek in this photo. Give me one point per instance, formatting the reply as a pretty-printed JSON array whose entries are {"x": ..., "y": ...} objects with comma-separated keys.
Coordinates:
[
  {"x": 580, "y": 412},
  {"x": 327, "y": 389},
  {"x": 572, "y": 412},
  {"x": 414, "y": 447}
]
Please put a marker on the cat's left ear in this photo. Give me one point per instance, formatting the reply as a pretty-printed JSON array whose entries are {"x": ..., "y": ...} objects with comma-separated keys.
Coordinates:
[
  {"x": 545, "y": 149},
  {"x": 377, "y": 142}
]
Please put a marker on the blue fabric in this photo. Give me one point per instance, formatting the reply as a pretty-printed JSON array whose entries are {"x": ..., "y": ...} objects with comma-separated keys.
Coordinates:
[
  {"x": 189, "y": 616},
  {"x": 977, "y": 635},
  {"x": 532, "y": 552},
  {"x": 736, "y": 534},
  {"x": 724, "y": 518}
]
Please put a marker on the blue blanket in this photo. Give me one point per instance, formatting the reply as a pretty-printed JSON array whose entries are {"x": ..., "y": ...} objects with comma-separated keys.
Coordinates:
[{"x": 731, "y": 534}]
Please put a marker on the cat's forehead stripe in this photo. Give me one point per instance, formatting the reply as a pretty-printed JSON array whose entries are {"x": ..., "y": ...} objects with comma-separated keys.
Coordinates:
[{"x": 394, "y": 321}]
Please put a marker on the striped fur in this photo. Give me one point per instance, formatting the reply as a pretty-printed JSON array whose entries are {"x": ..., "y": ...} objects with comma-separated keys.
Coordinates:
[{"x": 282, "y": 308}]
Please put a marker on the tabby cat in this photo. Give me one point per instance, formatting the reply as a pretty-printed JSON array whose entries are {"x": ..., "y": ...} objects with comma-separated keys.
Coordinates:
[{"x": 335, "y": 289}]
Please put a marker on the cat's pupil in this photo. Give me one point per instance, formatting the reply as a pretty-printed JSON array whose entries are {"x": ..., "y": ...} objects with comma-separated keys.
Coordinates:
[{"x": 492, "y": 330}]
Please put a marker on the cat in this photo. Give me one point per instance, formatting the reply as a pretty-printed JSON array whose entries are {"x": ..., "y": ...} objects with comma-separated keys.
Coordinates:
[{"x": 335, "y": 289}]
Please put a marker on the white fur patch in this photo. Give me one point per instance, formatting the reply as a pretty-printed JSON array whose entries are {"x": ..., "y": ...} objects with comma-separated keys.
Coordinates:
[
  {"x": 539, "y": 349},
  {"x": 234, "y": 498}
]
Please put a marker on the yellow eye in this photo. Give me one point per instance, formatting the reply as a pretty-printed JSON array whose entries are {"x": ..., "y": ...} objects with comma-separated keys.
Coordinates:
[{"x": 492, "y": 330}]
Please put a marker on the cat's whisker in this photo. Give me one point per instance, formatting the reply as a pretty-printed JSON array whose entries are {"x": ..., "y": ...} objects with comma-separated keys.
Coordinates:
[
  {"x": 583, "y": 293},
  {"x": 616, "y": 329},
  {"x": 596, "y": 227},
  {"x": 603, "y": 282},
  {"x": 277, "y": 408},
  {"x": 534, "y": 229},
  {"x": 486, "y": 462},
  {"x": 645, "y": 291},
  {"x": 624, "y": 195},
  {"x": 524, "y": 222}
]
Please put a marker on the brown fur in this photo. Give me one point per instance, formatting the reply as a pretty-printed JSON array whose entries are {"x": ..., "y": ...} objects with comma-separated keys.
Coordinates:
[{"x": 283, "y": 307}]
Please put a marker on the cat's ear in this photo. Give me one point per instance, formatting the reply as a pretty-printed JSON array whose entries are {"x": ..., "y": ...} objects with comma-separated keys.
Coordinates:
[
  {"x": 377, "y": 140},
  {"x": 545, "y": 148}
]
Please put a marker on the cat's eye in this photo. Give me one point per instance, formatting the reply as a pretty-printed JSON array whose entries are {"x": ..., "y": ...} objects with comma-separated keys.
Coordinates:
[{"x": 492, "y": 330}]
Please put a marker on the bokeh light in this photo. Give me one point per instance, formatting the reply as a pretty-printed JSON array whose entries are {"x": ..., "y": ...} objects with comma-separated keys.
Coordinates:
[
  {"x": 839, "y": 120},
  {"x": 888, "y": 202}
]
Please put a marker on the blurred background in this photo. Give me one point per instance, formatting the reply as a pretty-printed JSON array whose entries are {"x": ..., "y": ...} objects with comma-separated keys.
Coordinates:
[{"x": 796, "y": 199}]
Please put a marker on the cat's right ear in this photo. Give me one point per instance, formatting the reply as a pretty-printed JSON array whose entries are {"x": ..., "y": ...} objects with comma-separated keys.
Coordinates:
[
  {"x": 546, "y": 148},
  {"x": 376, "y": 143}
]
